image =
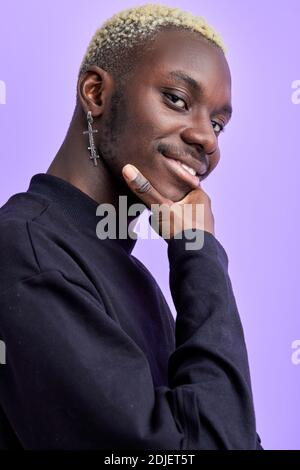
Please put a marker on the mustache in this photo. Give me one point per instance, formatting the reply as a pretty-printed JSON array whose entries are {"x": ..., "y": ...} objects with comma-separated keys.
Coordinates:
[{"x": 174, "y": 151}]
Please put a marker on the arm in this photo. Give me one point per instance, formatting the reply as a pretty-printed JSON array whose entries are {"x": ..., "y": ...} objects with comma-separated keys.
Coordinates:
[
  {"x": 210, "y": 364},
  {"x": 210, "y": 361},
  {"x": 75, "y": 380}
]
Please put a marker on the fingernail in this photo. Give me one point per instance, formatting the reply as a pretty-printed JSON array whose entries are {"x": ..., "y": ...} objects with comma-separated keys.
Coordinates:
[{"x": 130, "y": 172}]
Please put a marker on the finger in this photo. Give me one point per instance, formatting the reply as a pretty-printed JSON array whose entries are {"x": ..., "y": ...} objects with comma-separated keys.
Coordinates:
[{"x": 142, "y": 187}]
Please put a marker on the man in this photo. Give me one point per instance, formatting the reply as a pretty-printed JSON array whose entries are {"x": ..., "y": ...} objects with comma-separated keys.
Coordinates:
[{"x": 94, "y": 358}]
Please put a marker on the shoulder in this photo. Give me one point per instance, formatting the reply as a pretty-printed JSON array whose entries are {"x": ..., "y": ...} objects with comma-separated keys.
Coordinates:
[{"x": 18, "y": 260}]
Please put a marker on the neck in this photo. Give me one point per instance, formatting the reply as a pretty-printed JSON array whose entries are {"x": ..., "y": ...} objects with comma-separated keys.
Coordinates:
[{"x": 72, "y": 164}]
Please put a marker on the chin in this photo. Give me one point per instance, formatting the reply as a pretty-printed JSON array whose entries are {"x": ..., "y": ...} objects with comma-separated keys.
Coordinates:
[{"x": 174, "y": 193}]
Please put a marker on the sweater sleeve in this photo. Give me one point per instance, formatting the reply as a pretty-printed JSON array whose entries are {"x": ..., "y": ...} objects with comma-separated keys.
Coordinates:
[
  {"x": 73, "y": 379},
  {"x": 210, "y": 363}
]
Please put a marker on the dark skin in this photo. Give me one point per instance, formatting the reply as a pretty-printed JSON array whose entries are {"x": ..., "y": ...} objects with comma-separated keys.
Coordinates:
[{"x": 147, "y": 120}]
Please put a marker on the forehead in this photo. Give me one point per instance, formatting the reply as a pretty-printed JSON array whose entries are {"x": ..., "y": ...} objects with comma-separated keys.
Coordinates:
[{"x": 191, "y": 53}]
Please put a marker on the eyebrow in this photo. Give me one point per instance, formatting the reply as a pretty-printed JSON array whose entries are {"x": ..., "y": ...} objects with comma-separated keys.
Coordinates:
[{"x": 181, "y": 76}]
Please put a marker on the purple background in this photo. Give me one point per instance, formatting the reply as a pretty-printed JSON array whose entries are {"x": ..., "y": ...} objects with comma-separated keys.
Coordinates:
[{"x": 254, "y": 189}]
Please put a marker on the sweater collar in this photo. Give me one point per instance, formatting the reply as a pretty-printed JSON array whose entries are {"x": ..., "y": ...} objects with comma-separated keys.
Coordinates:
[{"x": 76, "y": 204}]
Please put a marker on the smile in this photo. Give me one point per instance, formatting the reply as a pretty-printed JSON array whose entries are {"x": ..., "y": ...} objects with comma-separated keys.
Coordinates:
[
  {"x": 183, "y": 171},
  {"x": 188, "y": 168}
]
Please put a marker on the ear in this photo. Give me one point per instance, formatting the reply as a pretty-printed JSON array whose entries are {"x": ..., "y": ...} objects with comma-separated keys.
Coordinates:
[{"x": 94, "y": 89}]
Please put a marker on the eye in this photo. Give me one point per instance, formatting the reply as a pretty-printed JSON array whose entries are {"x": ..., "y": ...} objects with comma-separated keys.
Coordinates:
[
  {"x": 174, "y": 99},
  {"x": 218, "y": 127}
]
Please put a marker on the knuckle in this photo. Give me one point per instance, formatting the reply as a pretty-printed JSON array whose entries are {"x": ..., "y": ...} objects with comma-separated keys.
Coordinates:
[
  {"x": 141, "y": 184},
  {"x": 208, "y": 199}
]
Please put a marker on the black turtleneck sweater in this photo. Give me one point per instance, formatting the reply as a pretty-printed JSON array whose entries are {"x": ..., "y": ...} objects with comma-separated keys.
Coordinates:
[{"x": 94, "y": 358}]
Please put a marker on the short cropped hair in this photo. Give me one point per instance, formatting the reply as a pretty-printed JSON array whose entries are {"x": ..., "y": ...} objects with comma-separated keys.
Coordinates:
[{"x": 116, "y": 45}]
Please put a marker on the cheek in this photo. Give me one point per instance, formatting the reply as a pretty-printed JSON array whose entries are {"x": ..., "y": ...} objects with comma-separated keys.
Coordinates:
[
  {"x": 149, "y": 113},
  {"x": 214, "y": 160}
]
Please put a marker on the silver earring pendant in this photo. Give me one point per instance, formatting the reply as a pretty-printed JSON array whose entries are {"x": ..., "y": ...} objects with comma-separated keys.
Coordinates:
[{"x": 93, "y": 151}]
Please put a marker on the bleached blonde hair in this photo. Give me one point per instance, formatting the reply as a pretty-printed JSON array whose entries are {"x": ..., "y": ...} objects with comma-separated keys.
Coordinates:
[{"x": 115, "y": 45}]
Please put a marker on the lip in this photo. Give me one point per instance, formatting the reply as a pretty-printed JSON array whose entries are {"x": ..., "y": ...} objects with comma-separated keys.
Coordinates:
[
  {"x": 176, "y": 168},
  {"x": 200, "y": 168}
]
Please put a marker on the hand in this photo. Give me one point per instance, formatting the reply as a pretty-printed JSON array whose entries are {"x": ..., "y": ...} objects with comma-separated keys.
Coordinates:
[{"x": 171, "y": 217}]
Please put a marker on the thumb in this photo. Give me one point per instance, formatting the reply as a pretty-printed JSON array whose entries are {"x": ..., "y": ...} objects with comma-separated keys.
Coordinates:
[{"x": 142, "y": 187}]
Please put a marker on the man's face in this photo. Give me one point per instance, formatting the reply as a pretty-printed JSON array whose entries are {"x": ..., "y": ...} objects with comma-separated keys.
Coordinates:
[{"x": 172, "y": 108}]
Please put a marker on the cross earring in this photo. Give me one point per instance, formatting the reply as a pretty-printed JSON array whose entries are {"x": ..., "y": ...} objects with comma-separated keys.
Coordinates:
[{"x": 93, "y": 156}]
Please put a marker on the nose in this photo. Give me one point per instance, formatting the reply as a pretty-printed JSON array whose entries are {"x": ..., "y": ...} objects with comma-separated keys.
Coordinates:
[{"x": 201, "y": 136}]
